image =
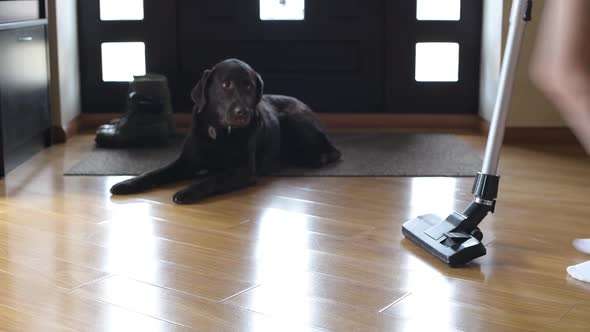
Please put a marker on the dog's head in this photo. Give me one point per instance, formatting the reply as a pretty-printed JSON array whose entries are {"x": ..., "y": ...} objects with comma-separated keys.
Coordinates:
[{"x": 229, "y": 93}]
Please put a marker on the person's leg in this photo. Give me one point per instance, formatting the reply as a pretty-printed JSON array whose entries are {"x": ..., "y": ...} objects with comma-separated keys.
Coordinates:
[
  {"x": 561, "y": 69},
  {"x": 561, "y": 62}
]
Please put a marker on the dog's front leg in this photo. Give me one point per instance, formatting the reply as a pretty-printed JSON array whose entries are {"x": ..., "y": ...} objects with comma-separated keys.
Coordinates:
[
  {"x": 215, "y": 184},
  {"x": 178, "y": 170}
]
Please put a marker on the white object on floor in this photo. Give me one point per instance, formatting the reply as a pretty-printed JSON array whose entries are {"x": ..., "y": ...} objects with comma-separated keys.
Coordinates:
[
  {"x": 580, "y": 271},
  {"x": 582, "y": 245}
]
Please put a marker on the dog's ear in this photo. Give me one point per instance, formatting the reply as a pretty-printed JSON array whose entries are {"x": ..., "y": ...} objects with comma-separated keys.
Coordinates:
[
  {"x": 199, "y": 93},
  {"x": 259, "y": 88}
]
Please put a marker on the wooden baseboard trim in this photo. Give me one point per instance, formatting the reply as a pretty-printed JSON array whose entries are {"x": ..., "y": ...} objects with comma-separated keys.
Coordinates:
[
  {"x": 399, "y": 121},
  {"x": 74, "y": 126},
  {"x": 58, "y": 135},
  {"x": 61, "y": 134},
  {"x": 344, "y": 122},
  {"x": 92, "y": 121},
  {"x": 341, "y": 121},
  {"x": 542, "y": 135},
  {"x": 89, "y": 122}
]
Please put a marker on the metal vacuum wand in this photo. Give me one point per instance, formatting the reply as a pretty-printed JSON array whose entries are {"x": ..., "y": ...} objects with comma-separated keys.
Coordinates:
[
  {"x": 520, "y": 15},
  {"x": 456, "y": 240}
]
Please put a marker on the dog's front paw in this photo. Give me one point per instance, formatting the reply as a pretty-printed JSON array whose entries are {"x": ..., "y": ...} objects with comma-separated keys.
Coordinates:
[
  {"x": 327, "y": 158},
  {"x": 128, "y": 187},
  {"x": 187, "y": 196}
]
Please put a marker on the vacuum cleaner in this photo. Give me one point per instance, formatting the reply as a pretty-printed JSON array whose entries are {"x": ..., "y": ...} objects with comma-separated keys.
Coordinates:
[{"x": 457, "y": 240}]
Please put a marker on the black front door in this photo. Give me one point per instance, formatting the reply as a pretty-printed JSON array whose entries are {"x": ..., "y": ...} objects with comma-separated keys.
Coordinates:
[
  {"x": 338, "y": 56},
  {"x": 121, "y": 41},
  {"x": 328, "y": 54},
  {"x": 433, "y": 56}
]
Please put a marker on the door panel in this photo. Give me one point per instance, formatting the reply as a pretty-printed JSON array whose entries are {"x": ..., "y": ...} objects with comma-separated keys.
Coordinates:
[
  {"x": 157, "y": 30},
  {"x": 346, "y": 56},
  {"x": 405, "y": 94},
  {"x": 331, "y": 54}
]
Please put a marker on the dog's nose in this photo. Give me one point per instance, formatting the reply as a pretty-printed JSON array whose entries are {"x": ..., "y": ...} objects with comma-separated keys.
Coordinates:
[{"x": 240, "y": 111}]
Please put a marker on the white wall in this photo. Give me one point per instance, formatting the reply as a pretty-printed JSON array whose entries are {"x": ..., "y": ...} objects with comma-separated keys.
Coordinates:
[
  {"x": 529, "y": 108},
  {"x": 490, "y": 56},
  {"x": 65, "y": 72}
]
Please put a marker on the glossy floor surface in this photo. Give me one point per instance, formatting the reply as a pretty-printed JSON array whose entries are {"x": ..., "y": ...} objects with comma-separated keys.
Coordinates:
[{"x": 291, "y": 254}]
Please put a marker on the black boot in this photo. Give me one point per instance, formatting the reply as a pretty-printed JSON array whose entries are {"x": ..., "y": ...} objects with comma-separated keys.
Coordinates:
[{"x": 148, "y": 118}]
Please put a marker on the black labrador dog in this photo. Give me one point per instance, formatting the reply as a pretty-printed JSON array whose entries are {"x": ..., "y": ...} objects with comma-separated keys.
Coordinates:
[{"x": 237, "y": 134}]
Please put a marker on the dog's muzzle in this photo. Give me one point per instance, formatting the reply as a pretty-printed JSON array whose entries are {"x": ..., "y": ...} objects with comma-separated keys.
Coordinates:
[{"x": 239, "y": 117}]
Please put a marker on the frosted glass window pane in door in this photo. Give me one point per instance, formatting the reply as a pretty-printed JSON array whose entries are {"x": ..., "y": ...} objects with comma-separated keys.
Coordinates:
[
  {"x": 121, "y": 10},
  {"x": 437, "y": 62},
  {"x": 120, "y": 61},
  {"x": 285, "y": 10},
  {"x": 438, "y": 10}
]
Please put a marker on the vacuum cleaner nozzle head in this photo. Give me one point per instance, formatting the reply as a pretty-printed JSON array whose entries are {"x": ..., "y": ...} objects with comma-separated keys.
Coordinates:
[{"x": 444, "y": 240}]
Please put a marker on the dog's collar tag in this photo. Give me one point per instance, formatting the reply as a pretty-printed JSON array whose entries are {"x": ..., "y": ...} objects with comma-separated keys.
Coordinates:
[{"x": 212, "y": 133}]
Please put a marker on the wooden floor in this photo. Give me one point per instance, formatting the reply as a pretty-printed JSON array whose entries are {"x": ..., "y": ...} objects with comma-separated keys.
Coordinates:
[{"x": 292, "y": 254}]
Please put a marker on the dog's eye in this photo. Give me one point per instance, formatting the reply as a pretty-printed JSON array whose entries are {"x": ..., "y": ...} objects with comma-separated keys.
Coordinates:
[
  {"x": 249, "y": 86},
  {"x": 227, "y": 85}
]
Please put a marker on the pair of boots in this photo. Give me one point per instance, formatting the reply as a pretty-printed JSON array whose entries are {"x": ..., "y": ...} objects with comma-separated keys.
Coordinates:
[{"x": 148, "y": 118}]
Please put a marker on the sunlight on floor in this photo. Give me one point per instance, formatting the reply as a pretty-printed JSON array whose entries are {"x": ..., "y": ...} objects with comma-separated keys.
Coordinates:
[
  {"x": 282, "y": 245},
  {"x": 432, "y": 195},
  {"x": 130, "y": 240},
  {"x": 282, "y": 252}
]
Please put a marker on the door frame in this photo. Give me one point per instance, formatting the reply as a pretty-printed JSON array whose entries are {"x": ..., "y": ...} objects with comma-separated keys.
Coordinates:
[{"x": 160, "y": 32}]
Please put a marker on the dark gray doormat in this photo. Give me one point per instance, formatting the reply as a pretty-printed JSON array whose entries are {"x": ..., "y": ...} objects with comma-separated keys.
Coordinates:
[{"x": 363, "y": 155}]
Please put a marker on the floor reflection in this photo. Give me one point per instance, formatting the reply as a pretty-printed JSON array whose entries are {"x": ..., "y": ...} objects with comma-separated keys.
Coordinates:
[
  {"x": 425, "y": 281},
  {"x": 436, "y": 196},
  {"x": 282, "y": 244},
  {"x": 130, "y": 239},
  {"x": 131, "y": 247},
  {"x": 118, "y": 319},
  {"x": 282, "y": 255},
  {"x": 432, "y": 195},
  {"x": 111, "y": 181}
]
